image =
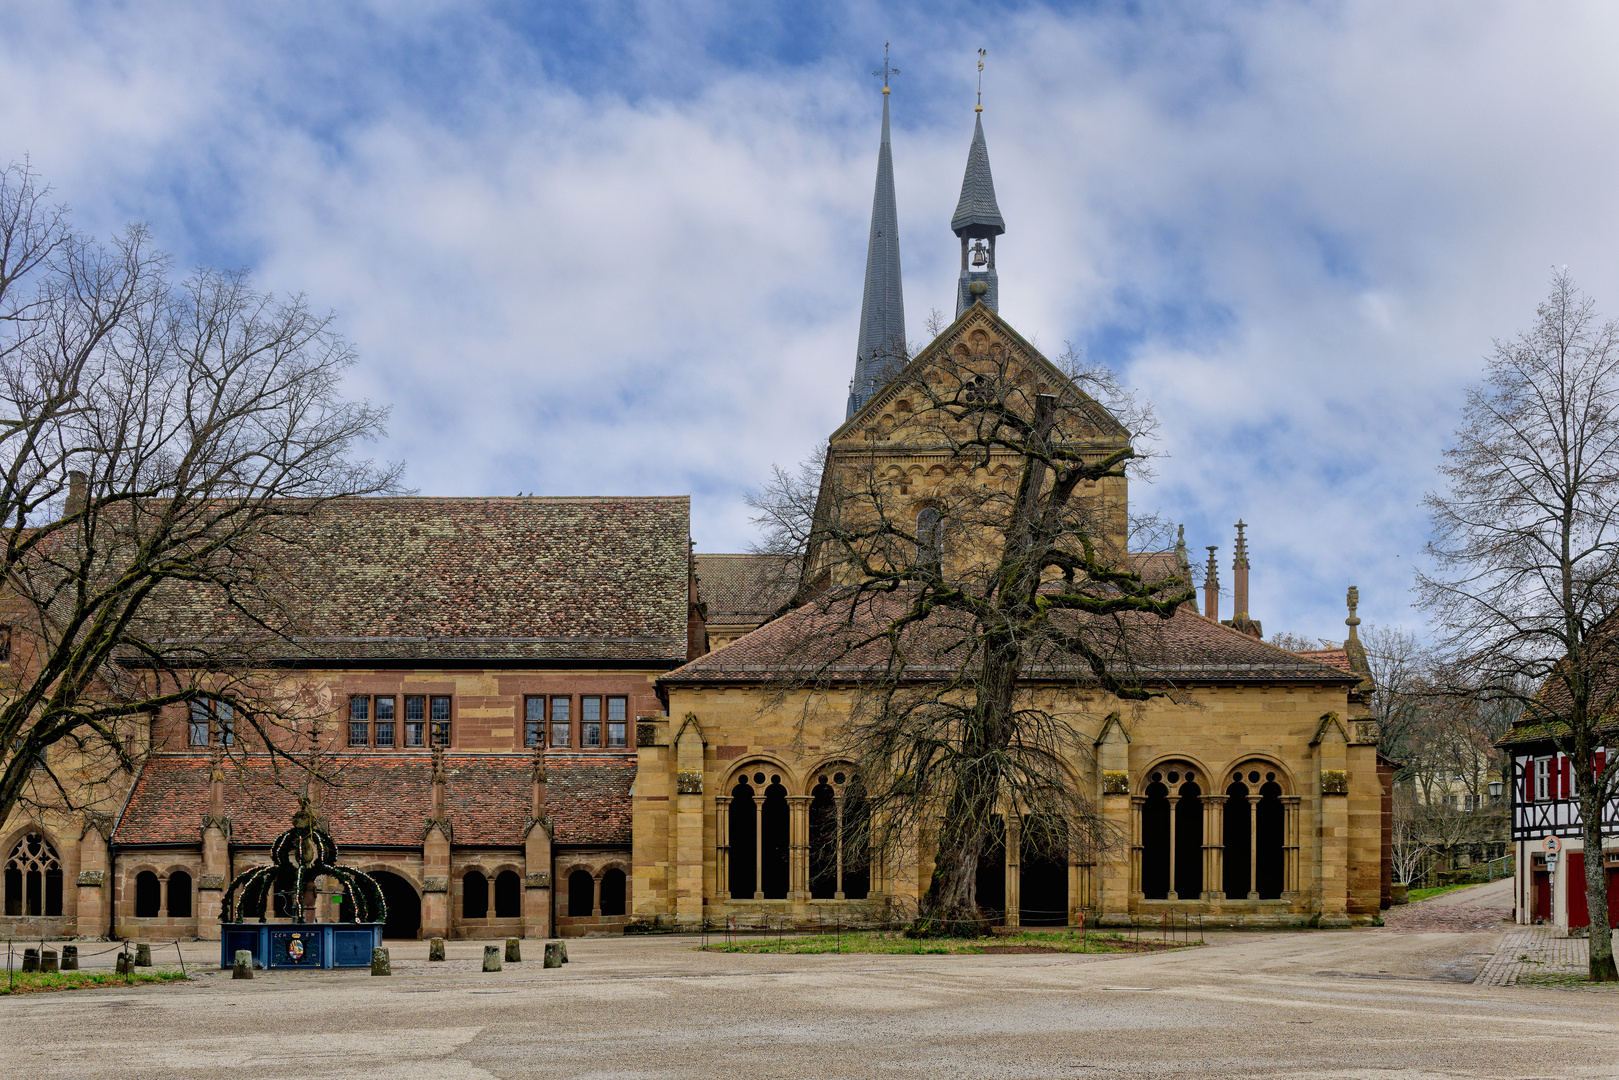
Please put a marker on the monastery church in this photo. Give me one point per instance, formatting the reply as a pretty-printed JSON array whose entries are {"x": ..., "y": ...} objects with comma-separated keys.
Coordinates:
[{"x": 549, "y": 717}]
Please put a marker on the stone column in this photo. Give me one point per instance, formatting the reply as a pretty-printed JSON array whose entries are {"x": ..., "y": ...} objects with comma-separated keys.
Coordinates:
[
  {"x": 596, "y": 895},
  {"x": 1137, "y": 804},
  {"x": 1214, "y": 848},
  {"x": 798, "y": 849},
  {"x": 1174, "y": 827},
  {"x": 1014, "y": 863},
  {"x": 722, "y": 847},
  {"x": 1290, "y": 847},
  {"x": 837, "y": 824},
  {"x": 759, "y": 846},
  {"x": 1253, "y": 847}
]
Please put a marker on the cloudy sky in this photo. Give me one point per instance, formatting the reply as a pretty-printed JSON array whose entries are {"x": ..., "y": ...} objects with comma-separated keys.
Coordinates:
[{"x": 616, "y": 248}]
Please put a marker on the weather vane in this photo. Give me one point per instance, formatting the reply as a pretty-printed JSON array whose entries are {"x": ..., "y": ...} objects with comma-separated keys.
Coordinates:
[
  {"x": 886, "y": 71},
  {"x": 980, "y": 106}
]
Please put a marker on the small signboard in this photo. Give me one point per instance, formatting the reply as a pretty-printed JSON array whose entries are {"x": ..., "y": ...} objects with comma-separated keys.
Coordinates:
[{"x": 1552, "y": 845}]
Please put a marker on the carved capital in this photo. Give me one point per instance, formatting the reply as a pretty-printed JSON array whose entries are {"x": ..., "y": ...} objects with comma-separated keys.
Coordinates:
[
  {"x": 435, "y": 884},
  {"x": 91, "y": 878},
  {"x": 689, "y": 782},
  {"x": 211, "y": 881},
  {"x": 1365, "y": 732},
  {"x": 1334, "y": 782},
  {"x": 646, "y": 733},
  {"x": 537, "y": 879},
  {"x": 1115, "y": 782}
]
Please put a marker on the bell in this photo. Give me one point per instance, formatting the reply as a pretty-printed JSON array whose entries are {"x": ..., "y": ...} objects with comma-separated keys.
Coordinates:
[{"x": 980, "y": 256}]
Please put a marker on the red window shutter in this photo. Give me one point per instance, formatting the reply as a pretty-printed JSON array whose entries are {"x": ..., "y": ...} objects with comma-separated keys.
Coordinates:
[
  {"x": 1599, "y": 761},
  {"x": 1568, "y": 778}
]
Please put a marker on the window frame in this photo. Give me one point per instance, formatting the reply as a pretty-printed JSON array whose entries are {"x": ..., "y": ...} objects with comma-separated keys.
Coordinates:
[
  {"x": 534, "y": 726},
  {"x": 218, "y": 720},
  {"x": 622, "y": 723},
  {"x": 587, "y": 726},
  {"x": 440, "y": 729},
  {"x": 416, "y": 739},
  {"x": 566, "y": 701},
  {"x": 1541, "y": 779}
]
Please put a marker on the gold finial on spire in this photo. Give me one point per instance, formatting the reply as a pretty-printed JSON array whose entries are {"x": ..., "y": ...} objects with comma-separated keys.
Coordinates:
[
  {"x": 886, "y": 70},
  {"x": 980, "y": 106}
]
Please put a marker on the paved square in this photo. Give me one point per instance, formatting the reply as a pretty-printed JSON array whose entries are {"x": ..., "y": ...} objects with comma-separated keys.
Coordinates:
[{"x": 1336, "y": 1004}]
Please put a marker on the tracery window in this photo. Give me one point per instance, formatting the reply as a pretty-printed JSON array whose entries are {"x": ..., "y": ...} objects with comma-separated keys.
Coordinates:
[
  {"x": 929, "y": 537},
  {"x": 839, "y": 845},
  {"x": 33, "y": 878},
  {"x": 758, "y": 837},
  {"x": 1254, "y": 836},
  {"x": 1172, "y": 835}
]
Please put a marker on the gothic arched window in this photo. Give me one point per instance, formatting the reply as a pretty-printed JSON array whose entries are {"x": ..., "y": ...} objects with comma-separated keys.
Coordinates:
[
  {"x": 33, "y": 878},
  {"x": 179, "y": 895},
  {"x": 508, "y": 895},
  {"x": 613, "y": 889},
  {"x": 474, "y": 896}
]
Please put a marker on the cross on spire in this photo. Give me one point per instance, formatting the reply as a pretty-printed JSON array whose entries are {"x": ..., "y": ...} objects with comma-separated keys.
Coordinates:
[
  {"x": 979, "y": 107},
  {"x": 886, "y": 71}
]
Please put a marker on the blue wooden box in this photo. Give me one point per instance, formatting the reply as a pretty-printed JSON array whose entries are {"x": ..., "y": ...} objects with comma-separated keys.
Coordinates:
[{"x": 300, "y": 945}]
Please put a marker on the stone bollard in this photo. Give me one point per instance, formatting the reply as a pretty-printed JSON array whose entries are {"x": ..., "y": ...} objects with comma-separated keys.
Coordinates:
[
  {"x": 563, "y": 945},
  {"x": 70, "y": 958},
  {"x": 122, "y": 964},
  {"x": 243, "y": 966},
  {"x": 47, "y": 961},
  {"x": 514, "y": 951},
  {"x": 435, "y": 949},
  {"x": 553, "y": 954},
  {"x": 143, "y": 954},
  {"x": 30, "y": 960},
  {"x": 379, "y": 962},
  {"x": 491, "y": 957}
]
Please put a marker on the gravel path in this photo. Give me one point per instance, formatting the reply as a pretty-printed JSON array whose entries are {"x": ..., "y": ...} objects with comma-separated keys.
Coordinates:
[{"x": 1480, "y": 909}]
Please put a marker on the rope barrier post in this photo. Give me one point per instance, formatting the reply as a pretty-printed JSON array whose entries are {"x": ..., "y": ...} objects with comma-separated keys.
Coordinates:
[{"x": 182, "y": 956}]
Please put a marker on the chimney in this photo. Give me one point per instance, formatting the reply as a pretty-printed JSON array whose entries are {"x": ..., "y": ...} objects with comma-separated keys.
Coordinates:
[
  {"x": 1239, "y": 580},
  {"x": 1211, "y": 588},
  {"x": 77, "y": 493}
]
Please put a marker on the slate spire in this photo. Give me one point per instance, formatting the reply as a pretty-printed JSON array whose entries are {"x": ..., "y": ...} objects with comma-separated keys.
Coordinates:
[
  {"x": 881, "y": 350},
  {"x": 978, "y": 219}
]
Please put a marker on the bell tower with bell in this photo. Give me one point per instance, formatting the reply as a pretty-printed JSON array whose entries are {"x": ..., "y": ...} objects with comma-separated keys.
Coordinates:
[{"x": 977, "y": 220}]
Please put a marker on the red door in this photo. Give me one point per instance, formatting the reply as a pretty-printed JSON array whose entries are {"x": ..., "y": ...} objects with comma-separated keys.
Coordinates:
[
  {"x": 1578, "y": 913},
  {"x": 1541, "y": 900}
]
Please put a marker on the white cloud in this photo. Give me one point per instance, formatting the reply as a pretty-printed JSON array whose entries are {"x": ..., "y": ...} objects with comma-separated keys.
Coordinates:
[{"x": 1296, "y": 226}]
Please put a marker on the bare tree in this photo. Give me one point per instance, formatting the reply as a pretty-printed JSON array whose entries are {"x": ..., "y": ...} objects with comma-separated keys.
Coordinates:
[
  {"x": 1526, "y": 547},
  {"x": 955, "y": 624},
  {"x": 165, "y": 451},
  {"x": 1285, "y": 639}
]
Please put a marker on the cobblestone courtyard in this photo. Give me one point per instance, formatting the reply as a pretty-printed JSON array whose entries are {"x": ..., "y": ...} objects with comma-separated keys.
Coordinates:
[{"x": 1393, "y": 1002}]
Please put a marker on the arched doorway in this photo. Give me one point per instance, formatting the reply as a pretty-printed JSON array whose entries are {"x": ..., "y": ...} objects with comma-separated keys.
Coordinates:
[
  {"x": 612, "y": 892},
  {"x": 581, "y": 894},
  {"x": 1043, "y": 873},
  {"x": 404, "y": 906}
]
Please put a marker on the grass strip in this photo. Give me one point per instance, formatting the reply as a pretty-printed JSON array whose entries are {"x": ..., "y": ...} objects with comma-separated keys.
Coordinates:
[
  {"x": 1068, "y": 942},
  {"x": 34, "y": 982}
]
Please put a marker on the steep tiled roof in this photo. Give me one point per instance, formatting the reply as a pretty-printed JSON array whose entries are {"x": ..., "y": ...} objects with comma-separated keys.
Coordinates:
[
  {"x": 588, "y": 799},
  {"x": 485, "y": 579},
  {"x": 386, "y": 799},
  {"x": 745, "y": 588},
  {"x": 1337, "y": 658},
  {"x": 1184, "y": 648},
  {"x": 977, "y": 212}
]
